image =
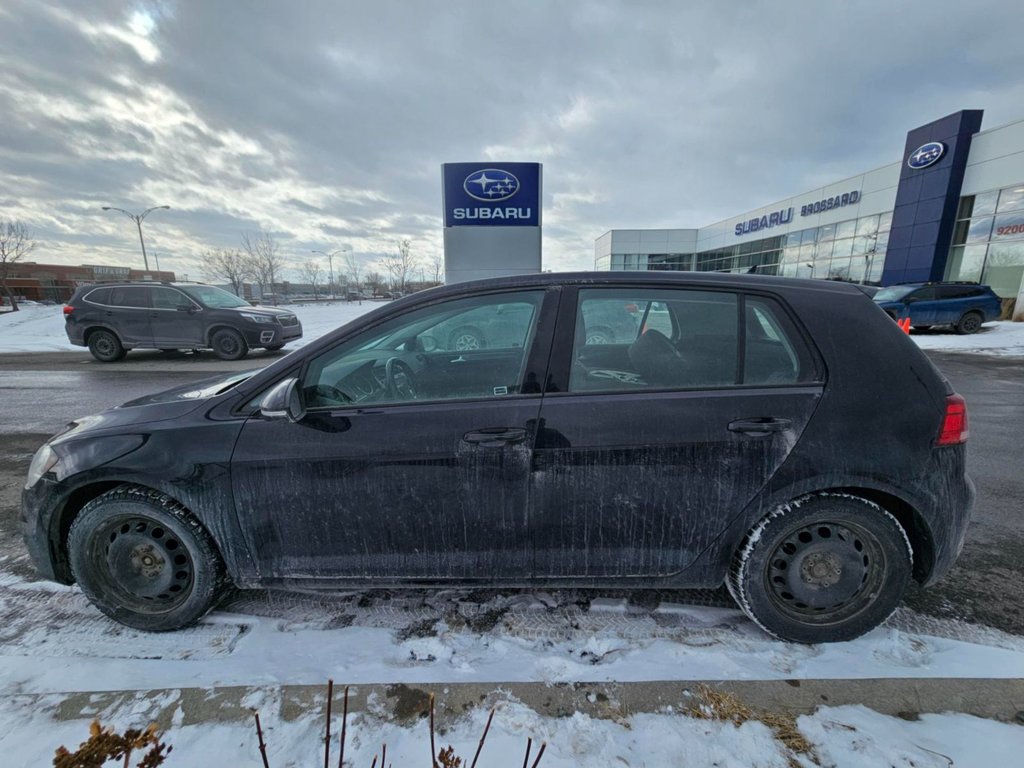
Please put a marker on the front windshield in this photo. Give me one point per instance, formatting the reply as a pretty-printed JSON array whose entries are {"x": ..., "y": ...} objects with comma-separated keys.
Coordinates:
[
  {"x": 216, "y": 298},
  {"x": 894, "y": 292}
]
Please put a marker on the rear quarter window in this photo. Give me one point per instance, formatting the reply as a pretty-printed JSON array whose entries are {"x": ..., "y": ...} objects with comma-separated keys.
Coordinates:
[
  {"x": 97, "y": 296},
  {"x": 775, "y": 352}
]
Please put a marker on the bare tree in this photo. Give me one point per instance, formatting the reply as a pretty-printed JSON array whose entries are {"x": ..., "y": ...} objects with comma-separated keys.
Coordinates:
[
  {"x": 400, "y": 265},
  {"x": 437, "y": 264},
  {"x": 15, "y": 242},
  {"x": 227, "y": 266},
  {"x": 375, "y": 281},
  {"x": 263, "y": 256},
  {"x": 313, "y": 274},
  {"x": 353, "y": 269}
]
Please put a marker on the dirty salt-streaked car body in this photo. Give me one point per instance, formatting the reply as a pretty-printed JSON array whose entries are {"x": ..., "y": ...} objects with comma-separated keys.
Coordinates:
[{"x": 783, "y": 436}]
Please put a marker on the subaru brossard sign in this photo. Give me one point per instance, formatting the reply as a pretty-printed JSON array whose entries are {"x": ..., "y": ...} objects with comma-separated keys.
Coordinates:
[{"x": 491, "y": 194}]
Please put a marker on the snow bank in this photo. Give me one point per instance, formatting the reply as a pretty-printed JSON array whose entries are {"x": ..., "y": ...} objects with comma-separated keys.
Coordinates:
[
  {"x": 1000, "y": 338},
  {"x": 853, "y": 737}
]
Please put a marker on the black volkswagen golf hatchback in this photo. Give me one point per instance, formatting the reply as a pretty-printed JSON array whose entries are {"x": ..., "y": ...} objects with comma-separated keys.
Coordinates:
[{"x": 782, "y": 436}]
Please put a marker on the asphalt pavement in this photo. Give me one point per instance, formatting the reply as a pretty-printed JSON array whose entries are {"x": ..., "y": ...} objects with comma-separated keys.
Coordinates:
[{"x": 40, "y": 392}]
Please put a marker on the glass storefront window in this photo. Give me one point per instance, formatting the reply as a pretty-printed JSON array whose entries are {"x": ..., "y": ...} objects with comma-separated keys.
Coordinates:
[
  {"x": 984, "y": 204},
  {"x": 793, "y": 238},
  {"x": 842, "y": 248},
  {"x": 1011, "y": 199},
  {"x": 858, "y": 268},
  {"x": 846, "y": 229},
  {"x": 885, "y": 222},
  {"x": 966, "y": 263},
  {"x": 1008, "y": 226},
  {"x": 867, "y": 226},
  {"x": 979, "y": 230},
  {"x": 827, "y": 232},
  {"x": 839, "y": 269},
  {"x": 1004, "y": 269},
  {"x": 807, "y": 236}
]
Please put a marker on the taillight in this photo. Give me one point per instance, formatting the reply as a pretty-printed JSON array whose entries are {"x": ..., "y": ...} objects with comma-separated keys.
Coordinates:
[
  {"x": 954, "y": 429},
  {"x": 68, "y": 310}
]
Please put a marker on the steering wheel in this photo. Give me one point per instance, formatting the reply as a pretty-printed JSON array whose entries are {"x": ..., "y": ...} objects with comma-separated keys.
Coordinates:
[{"x": 399, "y": 380}]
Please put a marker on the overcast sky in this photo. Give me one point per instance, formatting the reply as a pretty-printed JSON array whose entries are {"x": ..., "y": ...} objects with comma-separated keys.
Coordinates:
[{"x": 326, "y": 123}]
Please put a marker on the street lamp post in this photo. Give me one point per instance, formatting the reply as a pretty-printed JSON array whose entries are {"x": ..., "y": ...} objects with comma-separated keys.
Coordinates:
[
  {"x": 330, "y": 262},
  {"x": 138, "y": 219}
]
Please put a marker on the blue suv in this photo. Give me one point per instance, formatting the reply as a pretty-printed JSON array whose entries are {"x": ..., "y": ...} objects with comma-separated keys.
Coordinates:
[{"x": 963, "y": 306}]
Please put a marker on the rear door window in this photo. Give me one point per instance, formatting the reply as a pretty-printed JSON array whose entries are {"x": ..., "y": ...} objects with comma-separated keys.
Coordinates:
[
  {"x": 98, "y": 296},
  {"x": 130, "y": 296}
]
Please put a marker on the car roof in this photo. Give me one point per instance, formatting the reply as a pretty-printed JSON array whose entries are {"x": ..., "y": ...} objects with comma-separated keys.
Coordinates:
[{"x": 653, "y": 279}]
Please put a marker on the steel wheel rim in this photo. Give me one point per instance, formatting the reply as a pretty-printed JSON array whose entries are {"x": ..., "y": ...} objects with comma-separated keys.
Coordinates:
[
  {"x": 228, "y": 344},
  {"x": 104, "y": 345},
  {"x": 825, "y": 572},
  {"x": 466, "y": 341},
  {"x": 971, "y": 323},
  {"x": 142, "y": 564}
]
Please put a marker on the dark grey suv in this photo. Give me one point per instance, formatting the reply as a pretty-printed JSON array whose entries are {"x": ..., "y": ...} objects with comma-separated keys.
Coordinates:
[{"x": 112, "y": 318}]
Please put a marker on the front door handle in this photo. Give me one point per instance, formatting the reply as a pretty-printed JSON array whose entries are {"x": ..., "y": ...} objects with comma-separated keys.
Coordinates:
[
  {"x": 495, "y": 437},
  {"x": 761, "y": 426}
]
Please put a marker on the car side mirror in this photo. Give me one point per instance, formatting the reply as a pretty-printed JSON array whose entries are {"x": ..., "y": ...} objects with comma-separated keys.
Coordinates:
[{"x": 283, "y": 401}]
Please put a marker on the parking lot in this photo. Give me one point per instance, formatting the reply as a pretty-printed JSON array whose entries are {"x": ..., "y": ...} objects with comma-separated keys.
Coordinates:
[{"x": 42, "y": 391}]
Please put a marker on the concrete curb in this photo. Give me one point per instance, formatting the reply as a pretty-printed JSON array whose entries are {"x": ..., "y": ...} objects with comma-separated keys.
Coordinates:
[{"x": 998, "y": 699}]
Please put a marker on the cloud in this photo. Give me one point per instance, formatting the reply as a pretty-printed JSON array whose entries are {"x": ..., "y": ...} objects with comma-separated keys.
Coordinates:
[{"x": 328, "y": 123}]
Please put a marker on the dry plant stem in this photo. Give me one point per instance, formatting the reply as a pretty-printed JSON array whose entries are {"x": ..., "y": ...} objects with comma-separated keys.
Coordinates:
[
  {"x": 540, "y": 754},
  {"x": 344, "y": 724},
  {"x": 327, "y": 739},
  {"x": 374, "y": 763},
  {"x": 529, "y": 746},
  {"x": 263, "y": 746},
  {"x": 433, "y": 749},
  {"x": 483, "y": 737}
]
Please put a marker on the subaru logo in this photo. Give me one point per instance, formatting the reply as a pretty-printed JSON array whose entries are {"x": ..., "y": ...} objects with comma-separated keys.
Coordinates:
[
  {"x": 491, "y": 185},
  {"x": 926, "y": 154}
]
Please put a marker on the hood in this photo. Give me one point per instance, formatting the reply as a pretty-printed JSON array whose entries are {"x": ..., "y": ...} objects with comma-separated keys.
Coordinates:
[
  {"x": 260, "y": 310},
  {"x": 196, "y": 390},
  {"x": 162, "y": 406}
]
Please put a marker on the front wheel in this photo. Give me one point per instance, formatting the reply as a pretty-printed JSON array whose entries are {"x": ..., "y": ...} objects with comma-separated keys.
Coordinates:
[
  {"x": 823, "y": 569},
  {"x": 143, "y": 560},
  {"x": 106, "y": 347},
  {"x": 228, "y": 344}
]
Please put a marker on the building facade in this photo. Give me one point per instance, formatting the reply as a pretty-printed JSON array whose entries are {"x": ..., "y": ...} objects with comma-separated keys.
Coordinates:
[
  {"x": 951, "y": 209},
  {"x": 56, "y": 282}
]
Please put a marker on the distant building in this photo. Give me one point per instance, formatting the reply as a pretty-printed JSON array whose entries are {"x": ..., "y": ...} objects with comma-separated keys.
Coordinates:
[{"x": 56, "y": 282}]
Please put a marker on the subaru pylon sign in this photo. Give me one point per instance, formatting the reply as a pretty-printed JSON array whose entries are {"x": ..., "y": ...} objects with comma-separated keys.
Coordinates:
[
  {"x": 492, "y": 194},
  {"x": 491, "y": 219}
]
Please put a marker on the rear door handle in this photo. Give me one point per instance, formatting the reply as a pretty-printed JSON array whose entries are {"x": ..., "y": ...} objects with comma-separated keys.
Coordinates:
[
  {"x": 761, "y": 426},
  {"x": 495, "y": 437}
]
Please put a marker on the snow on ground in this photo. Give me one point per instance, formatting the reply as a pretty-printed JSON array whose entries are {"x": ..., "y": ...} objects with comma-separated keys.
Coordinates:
[
  {"x": 41, "y": 329},
  {"x": 852, "y": 737},
  {"x": 432, "y": 636}
]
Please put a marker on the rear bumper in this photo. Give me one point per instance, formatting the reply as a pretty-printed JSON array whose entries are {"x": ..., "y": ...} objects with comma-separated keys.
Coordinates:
[
  {"x": 75, "y": 335},
  {"x": 949, "y": 496}
]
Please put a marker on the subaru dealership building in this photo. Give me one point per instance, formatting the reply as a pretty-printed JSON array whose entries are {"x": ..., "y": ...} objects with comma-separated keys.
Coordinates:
[{"x": 952, "y": 208}]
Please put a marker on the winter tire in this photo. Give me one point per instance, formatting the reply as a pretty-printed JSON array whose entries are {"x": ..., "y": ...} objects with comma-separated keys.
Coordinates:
[
  {"x": 106, "y": 347},
  {"x": 822, "y": 569},
  {"x": 969, "y": 323},
  {"x": 600, "y": 335},
  {"x": 143, "y": 560},
  {"x": 228, "y": 344}
]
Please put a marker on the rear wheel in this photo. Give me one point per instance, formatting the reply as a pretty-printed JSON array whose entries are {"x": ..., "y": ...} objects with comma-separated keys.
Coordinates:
[
  {"x": 969, "y": 323},
  {"x": 228, "y": 344},
  {"x": 143, "y": 560},
  {"x": 825, "y": 568},
  {"x": 106, "y": 347}
]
